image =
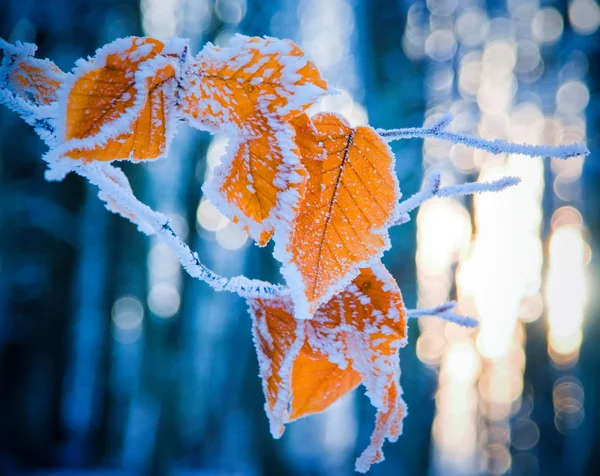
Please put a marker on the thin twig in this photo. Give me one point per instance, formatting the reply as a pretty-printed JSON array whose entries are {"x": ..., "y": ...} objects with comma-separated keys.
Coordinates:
[
  {"x": 190, "y": 261},
  {"x": 431, "y": 188},
  {"x": 444, "y": 311},
  {"x": 496, "y": 146}
]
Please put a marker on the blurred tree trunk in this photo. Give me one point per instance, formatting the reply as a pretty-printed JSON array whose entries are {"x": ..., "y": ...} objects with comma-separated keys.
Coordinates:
[{"x": 58, "y": 263}]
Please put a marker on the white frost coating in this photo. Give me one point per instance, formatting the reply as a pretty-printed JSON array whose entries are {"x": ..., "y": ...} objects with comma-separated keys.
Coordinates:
[
  {"x": 177, "y": 47},
  {"x": 113, "y": 204},
  {"x": 18, "y": 49},
  {"x": 431, "y": 188},
  {"x": 496, "y": 146},
  {"x": 444, "y": 311},
  {"x": 471, "y": 188}
]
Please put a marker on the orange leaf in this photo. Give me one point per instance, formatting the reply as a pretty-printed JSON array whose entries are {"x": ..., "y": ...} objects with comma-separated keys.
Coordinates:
[
  {"x": 104, "y": 88},
  {"x": 354, "y": 338},
  {"x": 35, "y": 80},
  {"x": 312, "y": 378},
  {"x": 229, "y": 86},
  {"x": 342, "y": 220},
  {"x": 120, "y": 104},
  {"x": 277, "y": 338},
  {"x": 150, "y": 131},
  {"x": 251, "y": 89},
  {"x": 258, "y": 182},
  {"x": 388, "y": 425}
]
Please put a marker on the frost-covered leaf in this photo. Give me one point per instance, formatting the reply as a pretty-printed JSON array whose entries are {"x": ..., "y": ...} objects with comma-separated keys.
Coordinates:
[
  {"x": 250, "y": 90},
  {"x": 227, "y": 87},
  {"x": 277, "y": 338},
  {"x": 120, "y": 104},
  {"x": 257, "y": 183},
  {"x": 342, "y": 220},
  {"x": 306, "y": 365},
  {"x": 33, "y": 80},
  {"x": 29, "y": 86}
]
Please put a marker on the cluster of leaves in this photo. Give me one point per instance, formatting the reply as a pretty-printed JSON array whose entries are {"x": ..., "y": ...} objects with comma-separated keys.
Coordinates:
[{"x": 324, "y": 191}]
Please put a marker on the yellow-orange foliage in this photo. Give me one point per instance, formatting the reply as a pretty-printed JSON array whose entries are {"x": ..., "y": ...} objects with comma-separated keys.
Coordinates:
[
  {"x": 342, "y": 220},
  {"x": 327, "y": 190},
  {"x": 251, "y": 89},
  {"x": 35, "y": 80},
  {"x": 353, "y": 338},
  {"x": 228, "y": 86},
  {"x": 248, "y": 186},
  {"x": 101, "y": 97}
]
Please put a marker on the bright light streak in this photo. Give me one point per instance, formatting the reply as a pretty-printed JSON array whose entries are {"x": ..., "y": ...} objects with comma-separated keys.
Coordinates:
[
  {"x": 566, "y": 291},
  {"x": 454, "y": 427}
]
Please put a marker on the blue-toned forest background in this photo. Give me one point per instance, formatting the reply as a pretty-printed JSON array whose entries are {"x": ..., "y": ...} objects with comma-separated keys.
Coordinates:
[{"x": 114, "y": 361}]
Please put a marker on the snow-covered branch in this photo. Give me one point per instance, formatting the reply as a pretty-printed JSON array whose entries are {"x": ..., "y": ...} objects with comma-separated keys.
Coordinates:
[
  {"x": 100, "y": 175},
  {"x": 130, "y": 207},
  {"x": 19, "y": 48},
  {"x": 115, "y": 190},
  {"x": 32, "y": 115},
  {"x": 431, "y": 188},
  {"x": 496, "y": 146},
  {"x": 444, "y": 311}
]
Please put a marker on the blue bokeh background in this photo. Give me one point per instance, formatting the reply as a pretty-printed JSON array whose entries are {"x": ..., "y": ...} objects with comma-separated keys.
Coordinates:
[{"x": 114, "y": 361}]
